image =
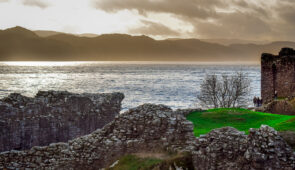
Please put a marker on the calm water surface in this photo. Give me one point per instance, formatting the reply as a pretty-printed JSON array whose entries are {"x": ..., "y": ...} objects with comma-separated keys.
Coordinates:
[{"x": 175, "y": 85}]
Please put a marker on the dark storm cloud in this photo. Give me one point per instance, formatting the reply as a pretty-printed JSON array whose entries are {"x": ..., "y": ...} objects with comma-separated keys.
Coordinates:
[
  {"x": 38, "y": 3},
  {"x": 233, "y": 26},
  {"x": 191, "y": 8},
  {"x": 287, "y": 11},
  {"x": 153, "y": 28},
  {"x": 243, "y": 19}
]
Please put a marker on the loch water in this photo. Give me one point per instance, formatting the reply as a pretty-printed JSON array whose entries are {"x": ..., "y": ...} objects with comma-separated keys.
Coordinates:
[{"x": 172, "y": 84}]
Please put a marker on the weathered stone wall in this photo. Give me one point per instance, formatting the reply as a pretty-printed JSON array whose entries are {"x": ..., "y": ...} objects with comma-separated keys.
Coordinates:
[
  {"x": 53, "y": 117},
  {"x": 228, "y": 148},
  {"x": 284, "y": 107},
  {"x": 278, "y": 74},
  {"x": 145, "y": 128},
  {"x": 153, "y": 128}
]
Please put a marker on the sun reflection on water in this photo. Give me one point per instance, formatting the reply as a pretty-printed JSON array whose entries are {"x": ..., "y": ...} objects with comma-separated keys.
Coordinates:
[{"x": 141, "y": 82}]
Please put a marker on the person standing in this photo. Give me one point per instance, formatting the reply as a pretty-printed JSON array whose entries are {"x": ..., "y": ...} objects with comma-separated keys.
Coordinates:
[
  {"x": 276, "y": 95},
  {"x": 255, "y": 101}
]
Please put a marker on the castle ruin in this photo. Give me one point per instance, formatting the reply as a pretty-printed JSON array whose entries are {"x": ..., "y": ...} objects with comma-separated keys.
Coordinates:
[{"x": 278, "y": 75}]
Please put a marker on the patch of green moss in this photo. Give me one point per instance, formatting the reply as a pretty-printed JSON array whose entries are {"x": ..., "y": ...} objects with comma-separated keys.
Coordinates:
[{"x": 281, "y": 98}]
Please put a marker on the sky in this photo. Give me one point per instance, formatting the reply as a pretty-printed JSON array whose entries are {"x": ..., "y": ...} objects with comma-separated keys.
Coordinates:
[{"x": 259, "y": 20}]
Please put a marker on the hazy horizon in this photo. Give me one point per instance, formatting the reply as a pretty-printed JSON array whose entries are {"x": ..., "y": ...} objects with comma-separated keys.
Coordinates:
[
  {"x": 223, "y": 41},
  {"x": 252, "y": 20},
  {"x": 236, "y": 31},
  {"x": 72, "y": 63}
]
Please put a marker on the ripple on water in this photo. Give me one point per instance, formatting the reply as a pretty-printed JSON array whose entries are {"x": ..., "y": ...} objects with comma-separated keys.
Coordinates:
[{"x": 174, "y": 85}]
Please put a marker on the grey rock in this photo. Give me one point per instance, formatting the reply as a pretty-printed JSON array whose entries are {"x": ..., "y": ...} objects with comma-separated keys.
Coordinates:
[
  {"x": 121, "y": 136},
  {"x": 53, "y": 116},
  {"x": 224, "y": 148},
  {"x": 235, "y": 150}
]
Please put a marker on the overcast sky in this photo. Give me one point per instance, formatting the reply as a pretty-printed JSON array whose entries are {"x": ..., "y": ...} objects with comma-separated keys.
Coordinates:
[{"x": 235, "y": 19}]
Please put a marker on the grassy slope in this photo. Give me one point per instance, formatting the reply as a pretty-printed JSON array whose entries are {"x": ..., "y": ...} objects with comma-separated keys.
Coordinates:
[
  {"x": 240, "y": 119},
  {"x": 149, "y": 161},
  {"x": 132, "y": 162}
]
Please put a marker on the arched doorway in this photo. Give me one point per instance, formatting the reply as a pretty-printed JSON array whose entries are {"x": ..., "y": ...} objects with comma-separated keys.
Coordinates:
[{"x": 274, "y": 77}]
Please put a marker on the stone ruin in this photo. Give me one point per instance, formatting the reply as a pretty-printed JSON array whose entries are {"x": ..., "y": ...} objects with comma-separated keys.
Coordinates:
[
  {"x": 278, "y": 74},
  {"x": 228, "y": 148},
  {"x": 145, "y": 128},
  {"x": 158, "y": 128},
  {"x": 53, "y": 116}
]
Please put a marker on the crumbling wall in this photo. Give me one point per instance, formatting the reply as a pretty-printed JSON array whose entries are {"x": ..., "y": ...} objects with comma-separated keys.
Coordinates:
[
  {"x": 145, "y": 128},
  {"x": 278, "y": 74},
  {"x": 53, "y": 117},
  {"x": 153, "y": 128},
  {"x": 228, "y": 148}
]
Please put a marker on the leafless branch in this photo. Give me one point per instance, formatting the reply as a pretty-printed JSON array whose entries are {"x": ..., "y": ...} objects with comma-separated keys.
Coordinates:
[{"x": 225, "y": 92}]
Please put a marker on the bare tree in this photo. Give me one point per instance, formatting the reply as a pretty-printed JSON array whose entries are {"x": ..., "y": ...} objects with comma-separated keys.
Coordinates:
[{"x": 225, "y": 91}]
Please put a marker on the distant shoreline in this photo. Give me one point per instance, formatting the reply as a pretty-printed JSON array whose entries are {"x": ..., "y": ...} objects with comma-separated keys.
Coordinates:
[
  {"x": 61, "y": 63},
  {"x": 20, "y": 44}
]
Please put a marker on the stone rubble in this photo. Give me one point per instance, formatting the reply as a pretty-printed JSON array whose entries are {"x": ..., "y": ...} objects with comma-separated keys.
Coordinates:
[
  {"x": 228, "y": 148},
  {"x": 158, "y": 128},
  {"x": 53, "y": 116},
  {"x": 145, "y": 128}
]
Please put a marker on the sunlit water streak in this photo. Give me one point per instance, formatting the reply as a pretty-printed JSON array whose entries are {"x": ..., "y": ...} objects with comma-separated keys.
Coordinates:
[{"x": 175, "y": 85}]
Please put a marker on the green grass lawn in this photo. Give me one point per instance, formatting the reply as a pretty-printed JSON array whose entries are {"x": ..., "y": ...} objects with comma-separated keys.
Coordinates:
[{"x": 241, "y": 119}]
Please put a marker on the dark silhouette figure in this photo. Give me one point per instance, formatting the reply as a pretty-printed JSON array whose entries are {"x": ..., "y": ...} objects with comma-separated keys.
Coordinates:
[
  {"x": 255, "y": 101},
  {"x": 276, "y": 95},
  {"x": 258, "y": 102}
]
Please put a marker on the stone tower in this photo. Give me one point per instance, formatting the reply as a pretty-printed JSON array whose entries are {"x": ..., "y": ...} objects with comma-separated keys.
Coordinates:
[{"x": 278, "y": 74}]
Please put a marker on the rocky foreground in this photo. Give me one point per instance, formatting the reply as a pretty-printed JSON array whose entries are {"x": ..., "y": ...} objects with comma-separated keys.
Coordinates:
[
  {"x": 154, "y": 128},
  {"x": 53, "y": 116}
]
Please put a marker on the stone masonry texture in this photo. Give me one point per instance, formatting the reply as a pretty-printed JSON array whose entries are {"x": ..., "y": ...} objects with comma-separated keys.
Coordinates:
[
  {"x": 149, "y": 128},
  {"x": 278, "y": 74},
  {"x": 53, "y": 116}
]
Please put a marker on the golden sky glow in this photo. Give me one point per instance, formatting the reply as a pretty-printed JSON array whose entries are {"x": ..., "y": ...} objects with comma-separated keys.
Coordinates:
[{"x": 236, "y": 19}]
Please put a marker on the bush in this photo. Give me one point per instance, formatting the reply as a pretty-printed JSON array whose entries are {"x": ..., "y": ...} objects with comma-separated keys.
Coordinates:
[{"x": 225, "y": 91}]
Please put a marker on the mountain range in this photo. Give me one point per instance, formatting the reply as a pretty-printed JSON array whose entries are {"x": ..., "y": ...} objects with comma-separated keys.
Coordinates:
[{"x": 20, "y": 44}]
